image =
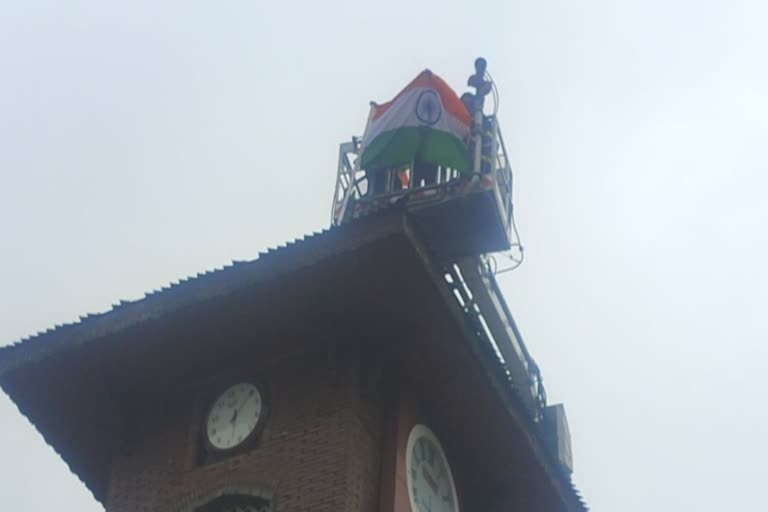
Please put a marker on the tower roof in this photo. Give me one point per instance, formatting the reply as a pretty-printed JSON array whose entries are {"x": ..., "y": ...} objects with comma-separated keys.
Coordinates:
[{"x": 70, "y": 380}]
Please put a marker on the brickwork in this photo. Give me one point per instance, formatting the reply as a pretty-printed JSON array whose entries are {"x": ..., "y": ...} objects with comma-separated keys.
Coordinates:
[{"x": 319, "y": 451}]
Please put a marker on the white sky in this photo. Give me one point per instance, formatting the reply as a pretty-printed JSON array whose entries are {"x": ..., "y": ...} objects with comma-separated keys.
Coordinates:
[{"x": 140, "y": 143}]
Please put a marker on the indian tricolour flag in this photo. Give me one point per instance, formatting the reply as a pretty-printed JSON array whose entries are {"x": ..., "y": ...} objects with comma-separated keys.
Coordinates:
[{"x": 426, "y": 122}]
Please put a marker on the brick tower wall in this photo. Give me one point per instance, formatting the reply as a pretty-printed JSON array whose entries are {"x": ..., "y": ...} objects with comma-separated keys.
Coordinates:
[{"x": 319, "y": 451}]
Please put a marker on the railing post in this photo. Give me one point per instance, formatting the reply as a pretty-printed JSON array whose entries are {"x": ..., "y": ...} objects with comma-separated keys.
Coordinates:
[{"x": 478, "y": 136}]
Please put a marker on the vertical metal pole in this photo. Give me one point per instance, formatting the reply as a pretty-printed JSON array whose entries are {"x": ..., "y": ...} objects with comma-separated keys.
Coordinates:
[
  {"x": 478, "y": 129},
  {"x": 494, "y": 153}
]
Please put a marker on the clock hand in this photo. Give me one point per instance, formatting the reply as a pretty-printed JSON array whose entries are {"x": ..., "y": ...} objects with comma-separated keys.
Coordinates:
[{"x": 243, "y": 402}]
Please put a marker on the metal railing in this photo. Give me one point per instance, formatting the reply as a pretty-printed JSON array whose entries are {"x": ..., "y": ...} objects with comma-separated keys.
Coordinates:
[
  {"x": 352, "y": 182},
  {"x": 477, "y": 294}
]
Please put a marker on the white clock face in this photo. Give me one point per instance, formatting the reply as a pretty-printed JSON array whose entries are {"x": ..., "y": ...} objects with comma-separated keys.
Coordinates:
[
  {"x": 234, "y": 416},
  {"x": 430, "y": 482}
]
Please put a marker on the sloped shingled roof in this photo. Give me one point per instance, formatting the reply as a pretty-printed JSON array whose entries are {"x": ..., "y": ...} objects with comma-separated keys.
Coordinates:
[
  {"x": 126, "y": 313},
  {"x": 202, "y": 286}
]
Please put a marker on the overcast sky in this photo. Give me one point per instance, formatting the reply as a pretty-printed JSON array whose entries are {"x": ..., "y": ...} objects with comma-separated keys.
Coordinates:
[{"x": 145, "y": 141}]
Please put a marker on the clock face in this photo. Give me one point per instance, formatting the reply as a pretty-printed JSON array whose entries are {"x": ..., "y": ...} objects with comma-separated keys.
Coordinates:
[
  {"x": 430, "y": 482},
  {"x": 234, "y": 416}
]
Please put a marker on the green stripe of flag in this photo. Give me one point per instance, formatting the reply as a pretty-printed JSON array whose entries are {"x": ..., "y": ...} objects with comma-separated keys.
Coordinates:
[{"x": 403, "y": 145}]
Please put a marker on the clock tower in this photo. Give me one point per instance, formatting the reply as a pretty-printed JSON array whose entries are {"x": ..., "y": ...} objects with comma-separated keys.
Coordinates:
[{"x": 373, "y": 367}]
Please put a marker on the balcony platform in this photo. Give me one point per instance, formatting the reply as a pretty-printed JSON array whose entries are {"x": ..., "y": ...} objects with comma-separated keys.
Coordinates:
[{"x": 463, "y": 217}]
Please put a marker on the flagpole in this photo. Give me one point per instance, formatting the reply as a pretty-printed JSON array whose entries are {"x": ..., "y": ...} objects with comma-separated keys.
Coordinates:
[
  {"x": 481, "y": 89},
  {"x": 478, "y": 129}
]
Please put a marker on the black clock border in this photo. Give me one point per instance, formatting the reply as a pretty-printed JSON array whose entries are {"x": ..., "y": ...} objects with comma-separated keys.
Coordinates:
[{"x": 213, "y": 454}]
